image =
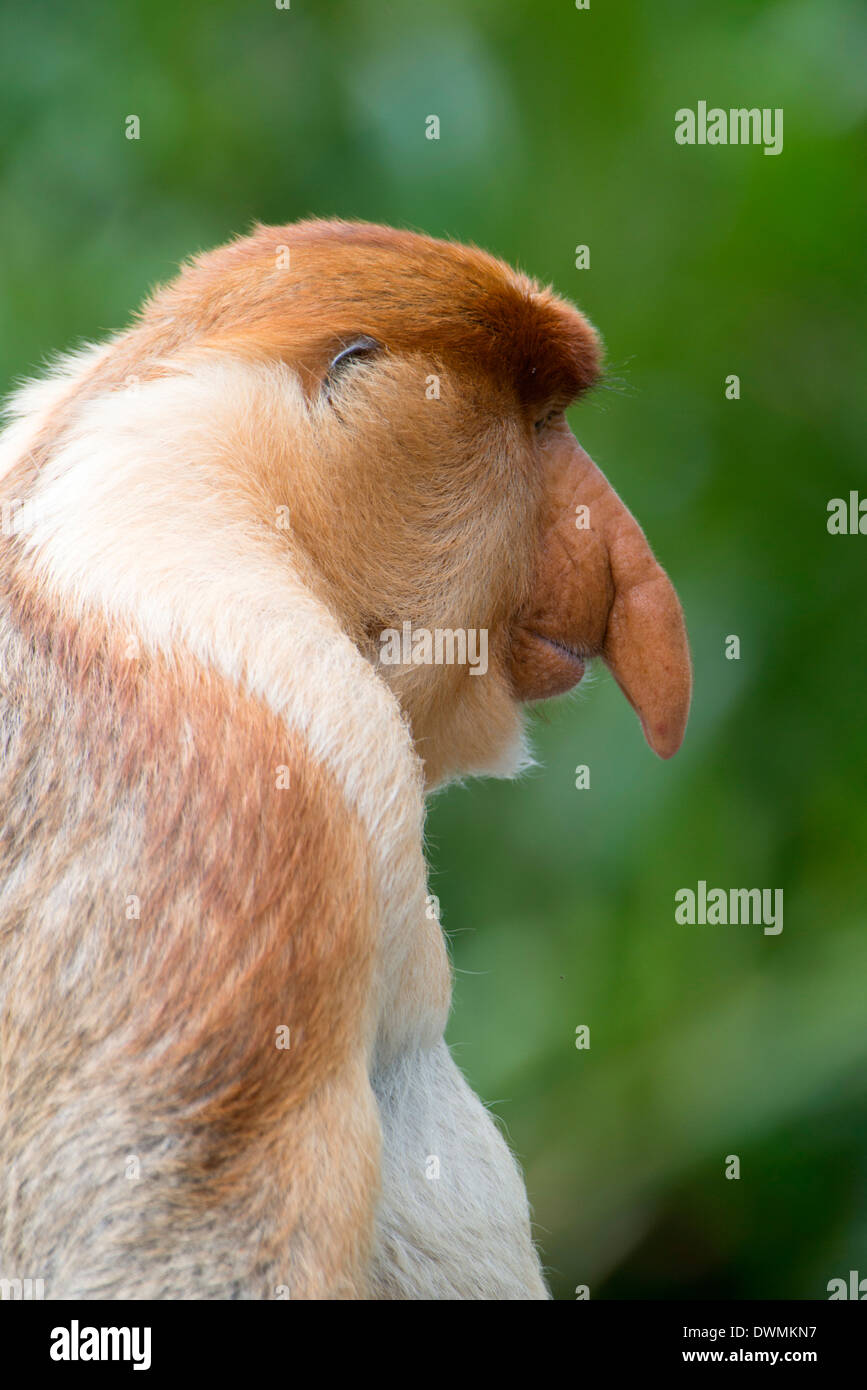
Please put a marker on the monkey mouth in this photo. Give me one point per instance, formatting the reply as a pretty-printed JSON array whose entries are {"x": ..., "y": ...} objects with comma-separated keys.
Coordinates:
[
  {"x": 544, "y": 667},
  {"x": 578, "y": 659}
]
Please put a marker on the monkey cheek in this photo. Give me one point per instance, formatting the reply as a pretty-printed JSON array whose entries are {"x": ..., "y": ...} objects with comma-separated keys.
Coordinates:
[{"x": 542, "y": 667}]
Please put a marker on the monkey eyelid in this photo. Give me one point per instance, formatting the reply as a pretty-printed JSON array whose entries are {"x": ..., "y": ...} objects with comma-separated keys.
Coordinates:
[
  {"x": 539, "y": 425},
  {"x": 353, "y": 349},
  {"x": 361, "y": 346}
]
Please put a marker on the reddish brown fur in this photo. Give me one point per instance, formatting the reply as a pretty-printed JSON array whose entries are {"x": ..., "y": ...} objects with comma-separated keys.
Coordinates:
[
  {"x": 419, "y": 295},
  {"x": 181, "y": 1008}
]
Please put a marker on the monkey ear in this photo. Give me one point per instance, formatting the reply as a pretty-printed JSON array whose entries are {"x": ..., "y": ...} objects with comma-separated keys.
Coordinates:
[{"x": 355, "y": 350}]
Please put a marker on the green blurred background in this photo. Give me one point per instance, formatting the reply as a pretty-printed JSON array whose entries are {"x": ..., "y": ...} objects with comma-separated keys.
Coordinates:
[{"x": 557, "y": 128}]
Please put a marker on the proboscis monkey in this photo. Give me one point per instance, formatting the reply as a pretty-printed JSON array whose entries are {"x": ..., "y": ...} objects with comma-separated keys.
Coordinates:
[{"x": 222, "y": 997}]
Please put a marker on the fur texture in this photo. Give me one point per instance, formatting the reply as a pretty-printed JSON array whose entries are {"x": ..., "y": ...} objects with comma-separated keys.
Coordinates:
[{"x": 206, "y": 530}]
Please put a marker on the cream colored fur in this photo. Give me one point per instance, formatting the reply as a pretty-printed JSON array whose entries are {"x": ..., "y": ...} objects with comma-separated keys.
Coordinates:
[{"x": 143, "y": 515}]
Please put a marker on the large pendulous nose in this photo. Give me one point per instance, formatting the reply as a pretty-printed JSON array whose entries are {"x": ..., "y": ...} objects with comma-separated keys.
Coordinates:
[{"x": 600, "y": 592}]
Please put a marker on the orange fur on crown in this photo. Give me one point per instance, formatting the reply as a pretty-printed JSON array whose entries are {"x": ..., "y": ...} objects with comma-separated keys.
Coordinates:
[
  {"x": 291, "y": 294},
  {"x": 420, "y": 295}
]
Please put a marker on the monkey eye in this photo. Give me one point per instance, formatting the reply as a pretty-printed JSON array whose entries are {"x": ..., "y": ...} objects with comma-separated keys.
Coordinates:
[
  {"x": 354, "y": 351},
  {"x": 539, "y": 425}
]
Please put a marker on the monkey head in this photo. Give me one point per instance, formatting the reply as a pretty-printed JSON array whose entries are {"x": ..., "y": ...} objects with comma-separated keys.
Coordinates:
[{"x": 432, "y": 481}]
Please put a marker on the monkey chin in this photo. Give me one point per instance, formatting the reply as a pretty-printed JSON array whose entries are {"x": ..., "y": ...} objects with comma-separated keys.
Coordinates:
[
  {"x": 487, "y": 737},
  {"x": 517, "y": 756},
  {"x": 506, "y": 763}
]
